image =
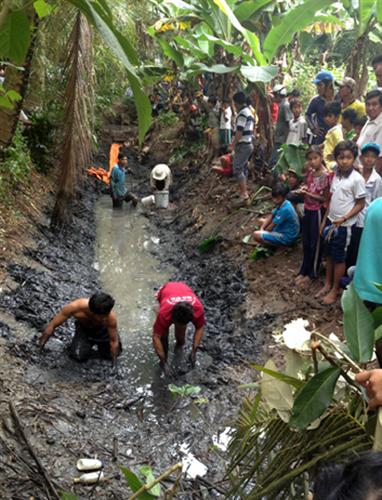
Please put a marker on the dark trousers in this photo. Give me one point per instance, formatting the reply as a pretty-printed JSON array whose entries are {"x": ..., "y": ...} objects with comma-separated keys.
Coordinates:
[
  {"x": 352, "y": 252},
  {"x": 81, "y": 347},
  {"x": 311, "y": 243}
]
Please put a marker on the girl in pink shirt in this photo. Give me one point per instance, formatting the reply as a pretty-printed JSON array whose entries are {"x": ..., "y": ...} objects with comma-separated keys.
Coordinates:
[{"x": 315, "y": 192}]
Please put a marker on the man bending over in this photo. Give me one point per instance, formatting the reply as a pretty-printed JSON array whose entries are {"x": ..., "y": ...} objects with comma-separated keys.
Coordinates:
[
  {"x": 95, "y": 323},
  {"x": 178, "y": 305}
]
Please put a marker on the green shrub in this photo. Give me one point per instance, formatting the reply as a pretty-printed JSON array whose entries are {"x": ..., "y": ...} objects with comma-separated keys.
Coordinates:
[{"x": 16, "y": 165}]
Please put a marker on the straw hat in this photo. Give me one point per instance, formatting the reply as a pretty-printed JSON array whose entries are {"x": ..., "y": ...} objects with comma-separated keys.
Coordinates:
[{"x": 160, "y": 172}]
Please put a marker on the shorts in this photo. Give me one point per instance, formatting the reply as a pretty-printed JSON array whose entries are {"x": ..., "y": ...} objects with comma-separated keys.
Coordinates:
[
  {"x": 275, "y": 238},
  {"x": 243, "y": 152},
  {"x": 337, "y": 241},
  {"x": 225, "y": 136},
  {"x": 83, "y": 341}
]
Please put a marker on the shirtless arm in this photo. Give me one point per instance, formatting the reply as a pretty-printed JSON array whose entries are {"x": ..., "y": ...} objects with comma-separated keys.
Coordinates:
[
  {"x": 66, "y": 312},
  {"x": 114, "y": 341}
]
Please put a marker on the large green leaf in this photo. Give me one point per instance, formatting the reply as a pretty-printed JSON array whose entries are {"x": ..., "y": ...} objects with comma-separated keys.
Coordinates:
[
  {"x": 187, "y": 44},
  {"x": 171, "y": 52},
  {"x": 247, "y": 8},
  {"x": 220, "y": 69},
  {"x": 379, "y": 11},
  {"x": 295, "y": 20},
  {"x": 231, "y": 48},
  {"x": 135, "y": 483},
  {"x": 277, "y": 394},
  {"x": 294, "y": 382},
  {"x": 42, "y": 8},
  {"x": 366, "y": 11},
  {"x": 15, "y": 37},
  {"x": 251, "y": 38},
  {"x": 358, "y": 326},
  {"x": 314, "y": 398},
  {"x": 259, "y": 73},
  {"x": 377, "y": 316}
]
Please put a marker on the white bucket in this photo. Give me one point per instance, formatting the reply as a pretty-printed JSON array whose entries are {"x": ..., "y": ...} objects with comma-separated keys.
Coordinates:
[
  {"x": 161, "y": 199},
  {"x": 148, "y": 201}
]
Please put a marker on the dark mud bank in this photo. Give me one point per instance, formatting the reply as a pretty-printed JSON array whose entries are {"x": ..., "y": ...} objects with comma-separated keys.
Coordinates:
[{"x": 86, "y": 408}]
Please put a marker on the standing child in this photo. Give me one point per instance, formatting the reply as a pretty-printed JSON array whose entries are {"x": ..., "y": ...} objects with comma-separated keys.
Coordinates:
[
  {"x": 347, "y": 200},
  {"x": 348, "y": 120},
  {"x": 297, "y": 125},
  {"x": 281, "y": 227},
  {"x": 225, "y": 130},
  {"x": 334, "y": 135},
  {"x": 373, "y": 183},
  {"x": 315, "y": 193}
]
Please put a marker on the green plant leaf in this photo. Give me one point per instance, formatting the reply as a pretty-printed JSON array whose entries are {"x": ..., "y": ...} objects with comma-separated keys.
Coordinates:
[
  {"x": 259, "y": 73},
  {"x": 366, "y": 11},
  {"x": 314, "y": 397},
  {"x": 68, "y": 496},
  {"x": 379, "y": 11},
  {"x": 247, "y": 8},
  {"x": 171, "y": 52},
  {"x": 293, "y": 21},
  {"x": 42, "y": 8},
  {"x": 251, "y": 38},
  {"x": 185, "y": 390},
  {"x": 377, "y": 316},
  {"x": 135, "y": 484},
  {"x": 5, "y": 102},
  {"x": 279, "y": 376},
  {"x": 379, "y": 286},
  {"x": 147, "y": 473},
  {"x": 15, "y": 37},
  {"x": 219, "y": 69},
  {"x": 260, "y": 252},
  {"x": 13, "y": 95},
  {"x": 228, "y": 47},
  {"x": 358, "y": 326},
  {"x": 378, "y": 333},
  {"x": 277, "y": 393}
]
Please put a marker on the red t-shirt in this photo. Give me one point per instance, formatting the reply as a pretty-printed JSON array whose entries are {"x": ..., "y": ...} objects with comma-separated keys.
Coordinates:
[{"x": 170, "y": 294}]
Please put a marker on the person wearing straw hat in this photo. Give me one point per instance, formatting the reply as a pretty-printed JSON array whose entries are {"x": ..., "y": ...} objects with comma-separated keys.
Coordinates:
[
  {"x": 160, "y": 177},
  {"x": 348, "y": 101}
]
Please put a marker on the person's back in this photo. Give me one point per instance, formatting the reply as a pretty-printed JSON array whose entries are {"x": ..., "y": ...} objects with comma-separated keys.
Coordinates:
[
  {"x": 369, "y": 262},
  {"x": 286, "y": 222},
  {"x": 117, "y": 181},
  {"x": 283, "y": 119}
]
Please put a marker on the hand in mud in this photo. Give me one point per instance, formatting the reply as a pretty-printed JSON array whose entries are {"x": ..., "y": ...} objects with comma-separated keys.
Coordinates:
[
  {"x": 44, "y": 338},
  {"x": 192, "y": 358},
  {"x": 167, "y": 370}
]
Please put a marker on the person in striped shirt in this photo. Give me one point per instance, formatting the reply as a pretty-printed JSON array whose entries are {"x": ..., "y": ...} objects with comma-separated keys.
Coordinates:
[{"x": 243, "y": 142}]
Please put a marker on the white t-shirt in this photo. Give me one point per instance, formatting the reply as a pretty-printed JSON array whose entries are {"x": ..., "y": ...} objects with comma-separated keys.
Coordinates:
[
  {"x": 297, "y": 131},
  {"x": 373, "y": 191},
  {"x": 226, "y": 118},
  {"x": 371, "y": 132},
  {"x": 345, "y": 192}
]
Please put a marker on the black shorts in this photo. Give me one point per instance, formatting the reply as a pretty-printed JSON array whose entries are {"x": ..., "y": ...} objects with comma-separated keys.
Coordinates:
[{"x": 83, "y": 341}]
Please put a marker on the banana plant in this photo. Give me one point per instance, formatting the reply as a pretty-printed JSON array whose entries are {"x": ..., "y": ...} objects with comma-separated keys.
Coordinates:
[{"x": 17, "y": 26}]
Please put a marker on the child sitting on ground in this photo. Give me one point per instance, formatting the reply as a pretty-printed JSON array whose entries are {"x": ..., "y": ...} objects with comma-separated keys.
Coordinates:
[
  {"x": 348, "y": 120},
  {"x": 297, "y": 125},
  {"x": 281, "y": 227},
  {"x": 225, "y": 167},
  {"x": 294, "y": 196},
  {"x": 315, "y": 193},
  {"x": 334, "y": 135},
  {"x": 373, "y": 184},
  {"x": 348, "y": 195}
]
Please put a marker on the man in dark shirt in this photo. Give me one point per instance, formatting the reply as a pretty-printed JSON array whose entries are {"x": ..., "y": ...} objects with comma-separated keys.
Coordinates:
[{"x": 315, "y": 112}]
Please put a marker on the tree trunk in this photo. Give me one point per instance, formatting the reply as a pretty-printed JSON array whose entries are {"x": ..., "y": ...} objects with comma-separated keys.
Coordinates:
[
  {"x": 79, "y": 93},
  {"x": 356, "y": 67},
  {"x": 17, "y": 80}
]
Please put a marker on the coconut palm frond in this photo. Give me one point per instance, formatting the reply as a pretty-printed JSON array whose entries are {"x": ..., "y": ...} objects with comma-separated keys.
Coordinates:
[
  {"x": 79, "y": 96},
  {"x": 268, "y": 458}
]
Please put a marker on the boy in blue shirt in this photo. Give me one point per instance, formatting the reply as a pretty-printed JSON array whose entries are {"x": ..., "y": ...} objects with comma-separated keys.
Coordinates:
[
  {"x": 281, "y": 227},
  {"x": 118, "y": 189}
]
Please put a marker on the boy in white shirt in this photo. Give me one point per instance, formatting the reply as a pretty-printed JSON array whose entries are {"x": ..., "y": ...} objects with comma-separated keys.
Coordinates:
[
  {"x": 225, "y": 129},
  {"x": 348, "y": 195},
  {"x": 297, "y": 126}
]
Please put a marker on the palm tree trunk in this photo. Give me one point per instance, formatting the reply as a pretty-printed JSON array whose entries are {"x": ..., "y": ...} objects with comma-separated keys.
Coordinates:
[
  {"x": 17, "y": 80},
  {"x": 79, "y": 95}
]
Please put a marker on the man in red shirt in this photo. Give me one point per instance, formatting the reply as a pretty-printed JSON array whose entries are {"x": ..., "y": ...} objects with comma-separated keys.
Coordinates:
[{"x": 178, "y": 305}]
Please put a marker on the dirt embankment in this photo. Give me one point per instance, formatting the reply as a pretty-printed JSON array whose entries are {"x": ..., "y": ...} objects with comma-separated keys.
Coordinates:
[{"x": 72, "y": 410}]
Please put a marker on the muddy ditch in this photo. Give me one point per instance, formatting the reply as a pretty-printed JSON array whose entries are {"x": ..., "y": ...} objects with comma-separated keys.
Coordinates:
[{"x": 73, "y": 410}]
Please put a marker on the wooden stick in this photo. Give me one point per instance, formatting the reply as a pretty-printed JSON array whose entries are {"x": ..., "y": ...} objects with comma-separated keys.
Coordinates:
[
  {"x": 31, "y": 450},
  {"x": 147, "y": 487}
]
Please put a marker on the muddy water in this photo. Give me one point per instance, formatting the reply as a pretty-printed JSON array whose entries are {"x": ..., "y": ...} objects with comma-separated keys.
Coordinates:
[{"x": 130, "y": 272}]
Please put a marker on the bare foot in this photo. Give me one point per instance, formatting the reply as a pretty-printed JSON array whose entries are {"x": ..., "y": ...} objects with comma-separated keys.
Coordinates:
[
  {"x": 331, "y": 297},
  {"x": 324, "y": 291},
  {"x": 304, "y": 281}
]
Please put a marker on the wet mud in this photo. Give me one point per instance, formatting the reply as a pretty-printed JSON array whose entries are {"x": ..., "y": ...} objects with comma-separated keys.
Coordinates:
[{"x": 74, "y": 410}]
